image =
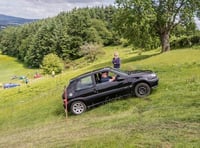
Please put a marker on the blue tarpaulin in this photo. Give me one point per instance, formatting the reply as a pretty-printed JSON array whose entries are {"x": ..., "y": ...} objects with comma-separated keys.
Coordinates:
[{"x": 10, "y": 85}]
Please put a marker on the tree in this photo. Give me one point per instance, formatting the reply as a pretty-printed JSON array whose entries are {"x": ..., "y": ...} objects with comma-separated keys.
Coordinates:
[
  {"x": 52, "y": 63},
  {"x": 63, "y": 35},
  {"x": 104, "y": 34},
  {"x": 144, "y": 21},
  {"x": 8, "y": 41},
  {"x": 91, "y": 51},
  {"x": 78, "y": 23},
  {"x": 43, "y": 43}
]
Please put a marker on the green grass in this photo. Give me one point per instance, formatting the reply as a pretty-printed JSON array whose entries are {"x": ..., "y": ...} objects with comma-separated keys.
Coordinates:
[
  {"x": 32, "y": 115},
  {"x": 10, "y": 67}
]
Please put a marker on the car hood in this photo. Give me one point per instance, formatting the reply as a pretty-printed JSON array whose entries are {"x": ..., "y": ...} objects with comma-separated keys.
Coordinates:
[{"x": 140, "y": 73}]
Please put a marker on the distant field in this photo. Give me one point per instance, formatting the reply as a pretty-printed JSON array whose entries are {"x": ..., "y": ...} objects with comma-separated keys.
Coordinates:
[
  {"x": 32, "y": 115},
  {"x": 10, "y": 67}
]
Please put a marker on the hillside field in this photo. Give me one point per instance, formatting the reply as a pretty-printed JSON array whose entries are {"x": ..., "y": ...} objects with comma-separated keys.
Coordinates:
[{"x": 32, "y": 115}]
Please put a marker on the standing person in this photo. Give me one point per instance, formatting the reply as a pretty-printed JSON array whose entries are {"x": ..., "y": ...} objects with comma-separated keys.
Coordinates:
[
  {"x": 116, "y": 60},
  {"x": 53, "y": 73},
  {"x": 26, "y": 80}
]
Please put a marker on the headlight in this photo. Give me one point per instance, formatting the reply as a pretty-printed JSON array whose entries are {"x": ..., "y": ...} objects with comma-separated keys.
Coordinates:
[{"x": 152, "y": 76}]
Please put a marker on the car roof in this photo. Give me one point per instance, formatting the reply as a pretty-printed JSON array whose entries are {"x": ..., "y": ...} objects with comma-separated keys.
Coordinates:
[{"x": 92, "y": 72}]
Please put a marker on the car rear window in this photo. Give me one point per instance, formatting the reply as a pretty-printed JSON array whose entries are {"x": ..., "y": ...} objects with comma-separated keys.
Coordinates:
[{"x": 84, "y": 83}]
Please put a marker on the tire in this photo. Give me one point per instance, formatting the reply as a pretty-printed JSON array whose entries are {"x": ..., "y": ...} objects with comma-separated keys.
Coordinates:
[
  {"x": 142, "y": 90},
  {"x": 77, "y": 107}
]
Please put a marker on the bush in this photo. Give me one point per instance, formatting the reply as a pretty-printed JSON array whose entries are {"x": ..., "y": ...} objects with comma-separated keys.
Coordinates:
[
  {"x": 50, "y": 63},
  {"x": 124, "y": 42},
  {"x": 90, "y": 51},
  {"x": 185, "y": 42}
]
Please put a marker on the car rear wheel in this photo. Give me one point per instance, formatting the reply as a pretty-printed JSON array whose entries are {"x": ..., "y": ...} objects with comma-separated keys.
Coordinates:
[
  {"x": 142, "y": 90},
  {"x": 78, "y": 107}
]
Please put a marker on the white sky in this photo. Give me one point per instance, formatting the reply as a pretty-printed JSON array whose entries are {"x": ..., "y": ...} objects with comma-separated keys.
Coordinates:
[
  {"x": 37, "y": 9},
  {"x": 198, "y": 23}
]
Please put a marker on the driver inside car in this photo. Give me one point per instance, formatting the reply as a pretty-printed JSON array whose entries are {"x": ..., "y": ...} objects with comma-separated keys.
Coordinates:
[{"x": 106, "y": 78}]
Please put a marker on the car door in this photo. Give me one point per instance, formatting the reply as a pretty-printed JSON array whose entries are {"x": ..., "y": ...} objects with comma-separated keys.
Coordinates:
[
  {"x": 85, "y": 89},
  {"x": 106, "y": 90}
]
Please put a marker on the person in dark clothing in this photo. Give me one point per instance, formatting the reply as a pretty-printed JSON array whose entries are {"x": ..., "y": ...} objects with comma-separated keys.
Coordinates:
[
  {"x": 106, "y": 78},
  {"x": 116, "y": 60}
]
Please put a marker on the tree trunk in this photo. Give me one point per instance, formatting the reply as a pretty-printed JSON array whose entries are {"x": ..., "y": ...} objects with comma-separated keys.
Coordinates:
[{"x": 165, "y": 41}]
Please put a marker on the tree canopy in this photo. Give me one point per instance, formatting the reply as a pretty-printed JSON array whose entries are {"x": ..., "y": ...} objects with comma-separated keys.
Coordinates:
[
  {"x": 146, "y": 22},
  {"x": 62, "y": 35},
  {"x": 52, "y": 63}
]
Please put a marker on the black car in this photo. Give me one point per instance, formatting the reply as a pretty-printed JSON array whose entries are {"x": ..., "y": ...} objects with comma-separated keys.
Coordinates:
[{"x": 88, "y": 90}]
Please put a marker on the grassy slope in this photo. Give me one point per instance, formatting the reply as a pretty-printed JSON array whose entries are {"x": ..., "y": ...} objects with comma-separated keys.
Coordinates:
[
  {"x": 32, "y": 115},
  {"x": 10, "y": 67}
]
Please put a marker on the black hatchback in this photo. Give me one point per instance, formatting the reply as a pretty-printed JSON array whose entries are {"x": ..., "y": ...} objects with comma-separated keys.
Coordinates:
[{"x": 88, "y": 90}]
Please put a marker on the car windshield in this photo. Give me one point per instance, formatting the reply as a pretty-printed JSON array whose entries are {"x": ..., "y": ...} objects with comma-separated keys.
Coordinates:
[{"x": 120, "y": 72}]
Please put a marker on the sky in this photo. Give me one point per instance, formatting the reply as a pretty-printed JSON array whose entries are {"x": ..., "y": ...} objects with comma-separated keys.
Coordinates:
[{"x": 38, "y": 9}]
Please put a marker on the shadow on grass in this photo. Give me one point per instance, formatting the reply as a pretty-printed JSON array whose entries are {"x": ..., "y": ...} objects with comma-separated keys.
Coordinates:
[
  {"x": 60, "y": 111},
  {"x": 138, "y": 58},
  {"x": 131, "y": 59},
  {"x": 25, "y": 65},
  {"x": 124, "y": 61}
]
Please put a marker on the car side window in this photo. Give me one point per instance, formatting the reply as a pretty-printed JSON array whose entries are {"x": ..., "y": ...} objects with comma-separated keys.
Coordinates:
[
  {"x": 104, "y": 77},
  {"x": 84, "y": 83},
  {"x": 112, "y": 74}
]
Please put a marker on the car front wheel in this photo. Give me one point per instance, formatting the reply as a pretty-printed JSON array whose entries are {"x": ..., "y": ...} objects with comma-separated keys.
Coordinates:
[
  {"x": 78, "y": 107},
  {"x": 142, "y": 90}
]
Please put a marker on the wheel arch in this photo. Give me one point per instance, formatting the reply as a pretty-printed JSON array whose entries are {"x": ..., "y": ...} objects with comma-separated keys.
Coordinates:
[
  {"x": 73, "y": 100},
  {"x": 141, "y": 81},
  {"x": 138, "y": 82}
]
